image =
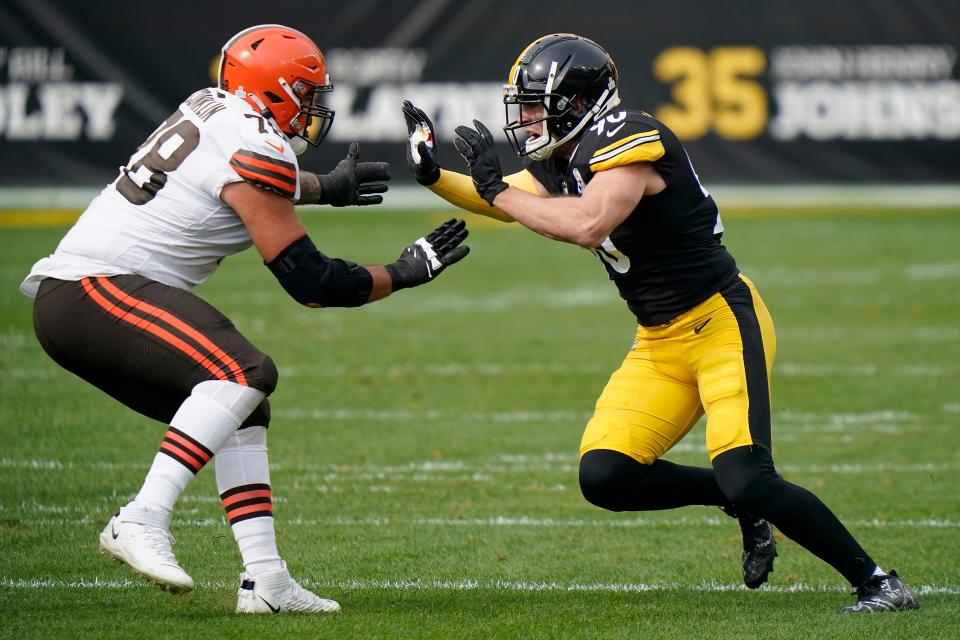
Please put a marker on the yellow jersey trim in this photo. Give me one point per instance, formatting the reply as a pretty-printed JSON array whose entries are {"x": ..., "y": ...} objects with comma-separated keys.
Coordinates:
[
  {"x": 646, "y": 151},
  {"x": 624, "y": 141}
]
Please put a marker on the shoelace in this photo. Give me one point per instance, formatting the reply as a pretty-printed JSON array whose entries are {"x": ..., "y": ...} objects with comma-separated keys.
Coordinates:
[
  {"x": 759, "y": 535},
  {"x": 161, "y": 541},
  {"x": 300, "y": 599}
]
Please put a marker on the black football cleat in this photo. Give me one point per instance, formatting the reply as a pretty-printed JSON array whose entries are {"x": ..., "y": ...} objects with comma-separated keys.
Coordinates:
[
  {"x": 883, "y": 593},
  {"x": 759, "y": 550}
]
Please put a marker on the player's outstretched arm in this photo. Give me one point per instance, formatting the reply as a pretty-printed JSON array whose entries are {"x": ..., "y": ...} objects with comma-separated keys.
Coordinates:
[
  {"x": 315, "y": 280},
  {"x": 350, "y": 183},
  {"x": 455, "y": 188},
  {"x": 585, "y": 221}
]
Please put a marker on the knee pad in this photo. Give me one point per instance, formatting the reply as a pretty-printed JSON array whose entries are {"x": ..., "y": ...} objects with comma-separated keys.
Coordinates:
[
  {"x": 607, "y": 476},
  {"x": 235, "y": 399},
  {"x": 745, "y": 474}
]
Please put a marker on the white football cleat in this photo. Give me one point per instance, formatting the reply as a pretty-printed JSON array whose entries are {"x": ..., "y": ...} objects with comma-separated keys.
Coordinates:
[
  {"x": 276, "y": 592},
  {"x": 140, "y": 538}
]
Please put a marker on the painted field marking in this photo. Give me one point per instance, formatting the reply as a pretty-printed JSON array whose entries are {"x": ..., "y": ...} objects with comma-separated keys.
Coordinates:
[
  {"x": 420, "y": 584},
  {"x": 566, "y": 463},
  {"x": 505, "y": 522}
]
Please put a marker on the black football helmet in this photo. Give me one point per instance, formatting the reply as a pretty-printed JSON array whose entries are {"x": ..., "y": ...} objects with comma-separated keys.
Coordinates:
[{"x": 574, "y": 79}]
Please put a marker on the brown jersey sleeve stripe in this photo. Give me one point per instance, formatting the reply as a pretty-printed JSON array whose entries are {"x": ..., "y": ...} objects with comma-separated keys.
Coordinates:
[
  {"x": 148, "y": 312},
  {"x": 266, "y": 165},
  {"x": 262, "y": 169},
  {"x": 280, "y": 166},
  {"x": 262, "y": 180}
]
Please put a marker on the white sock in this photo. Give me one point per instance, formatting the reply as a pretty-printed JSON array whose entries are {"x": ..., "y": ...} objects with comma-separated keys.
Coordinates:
[
  {"x": 878, "y": 572},
  {"x": 243, "y": 481},
  {"x": 211, "y": 413}
]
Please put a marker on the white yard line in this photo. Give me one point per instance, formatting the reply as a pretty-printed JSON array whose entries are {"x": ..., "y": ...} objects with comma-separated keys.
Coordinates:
[
  {"x": 871, "y": 334},
  {"x": 394, "y": 415},
  {"x": 509, "y": 463},
  {"x": 865, "y": 370},
  {"x": 505, "y": 522},
  {"x": 420, "y": 584},
  {"x": 540, "y": 369}
]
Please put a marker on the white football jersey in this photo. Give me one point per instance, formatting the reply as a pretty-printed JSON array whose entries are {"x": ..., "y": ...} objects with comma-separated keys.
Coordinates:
[{"x": 162, "y": 218}]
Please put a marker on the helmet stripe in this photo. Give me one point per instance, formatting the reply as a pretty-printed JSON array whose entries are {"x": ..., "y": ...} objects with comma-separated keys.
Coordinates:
[{"x": 512, "y": 77}]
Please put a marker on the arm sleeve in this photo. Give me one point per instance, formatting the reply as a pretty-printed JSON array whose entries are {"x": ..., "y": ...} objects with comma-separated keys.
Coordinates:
[{"x": 458, "y": 190}]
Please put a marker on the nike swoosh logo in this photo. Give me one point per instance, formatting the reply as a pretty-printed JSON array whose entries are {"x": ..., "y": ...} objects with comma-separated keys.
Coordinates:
[
  {"x": 113, "y": 531},
  {"x": 697, "y": 329},
  {"x": 272, "y": 608},
  {"x": 613, "y": 132},
  {"x": 280, "y": 148}
]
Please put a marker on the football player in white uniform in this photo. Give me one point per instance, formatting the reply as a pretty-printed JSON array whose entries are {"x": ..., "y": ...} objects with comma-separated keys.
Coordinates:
[{"x": 114, "y": 303}]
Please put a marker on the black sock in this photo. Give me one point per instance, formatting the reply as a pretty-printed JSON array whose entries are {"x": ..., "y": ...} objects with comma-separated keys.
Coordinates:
[
  {"x": 617, "y": 482},
  {"x": 749, "y": 479}
]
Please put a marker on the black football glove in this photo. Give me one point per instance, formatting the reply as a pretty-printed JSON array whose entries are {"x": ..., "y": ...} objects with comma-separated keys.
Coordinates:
[
  {"x": 421, "y": 151},
  {"x": 422, "y": 261},
  {"x": 351, "y": 182},
  {"x": 476, "y": 147}
]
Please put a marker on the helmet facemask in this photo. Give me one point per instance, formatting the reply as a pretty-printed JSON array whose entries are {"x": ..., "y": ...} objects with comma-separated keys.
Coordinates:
[
  {"x": 313, "y": 121},
  {"x": 564, "y": 117}
]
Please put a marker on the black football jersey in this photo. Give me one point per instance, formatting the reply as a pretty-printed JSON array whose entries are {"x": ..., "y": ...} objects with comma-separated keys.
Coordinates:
[{"x": 666, "y": 257}]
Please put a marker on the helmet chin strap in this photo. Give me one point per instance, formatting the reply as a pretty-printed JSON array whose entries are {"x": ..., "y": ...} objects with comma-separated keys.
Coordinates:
[
  {"x": 543, "y": 152},
  {"x": 543, "y": 145}
]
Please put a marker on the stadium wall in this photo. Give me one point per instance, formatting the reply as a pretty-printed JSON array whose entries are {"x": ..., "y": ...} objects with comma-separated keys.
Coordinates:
[{"x": 763, "y": 93}]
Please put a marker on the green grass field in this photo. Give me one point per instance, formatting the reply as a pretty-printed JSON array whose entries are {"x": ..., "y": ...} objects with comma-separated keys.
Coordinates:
[{"x": 424, "y": 449}]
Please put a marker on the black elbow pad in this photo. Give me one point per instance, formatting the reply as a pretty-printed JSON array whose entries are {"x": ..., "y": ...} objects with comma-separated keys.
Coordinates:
[{"x": 315, "y": 280}]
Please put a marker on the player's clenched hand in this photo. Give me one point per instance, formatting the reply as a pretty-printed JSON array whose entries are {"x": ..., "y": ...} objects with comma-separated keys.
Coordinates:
[
  {"x": 422, "y": 261},
  {"x": 351, "y": 182},
  {"x": 476, "y": 147},
  {"x": 421, "y": 152}
]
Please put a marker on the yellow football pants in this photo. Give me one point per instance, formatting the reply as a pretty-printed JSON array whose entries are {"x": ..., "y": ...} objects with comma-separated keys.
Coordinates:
[{"x": 716, "y": 357}]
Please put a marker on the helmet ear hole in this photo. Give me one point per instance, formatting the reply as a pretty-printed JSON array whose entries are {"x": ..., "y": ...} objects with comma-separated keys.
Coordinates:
[{"x": 272, "y": 97}]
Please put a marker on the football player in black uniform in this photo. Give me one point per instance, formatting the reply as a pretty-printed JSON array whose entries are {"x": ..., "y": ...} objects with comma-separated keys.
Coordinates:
[{"x": 618, "y": 182}]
